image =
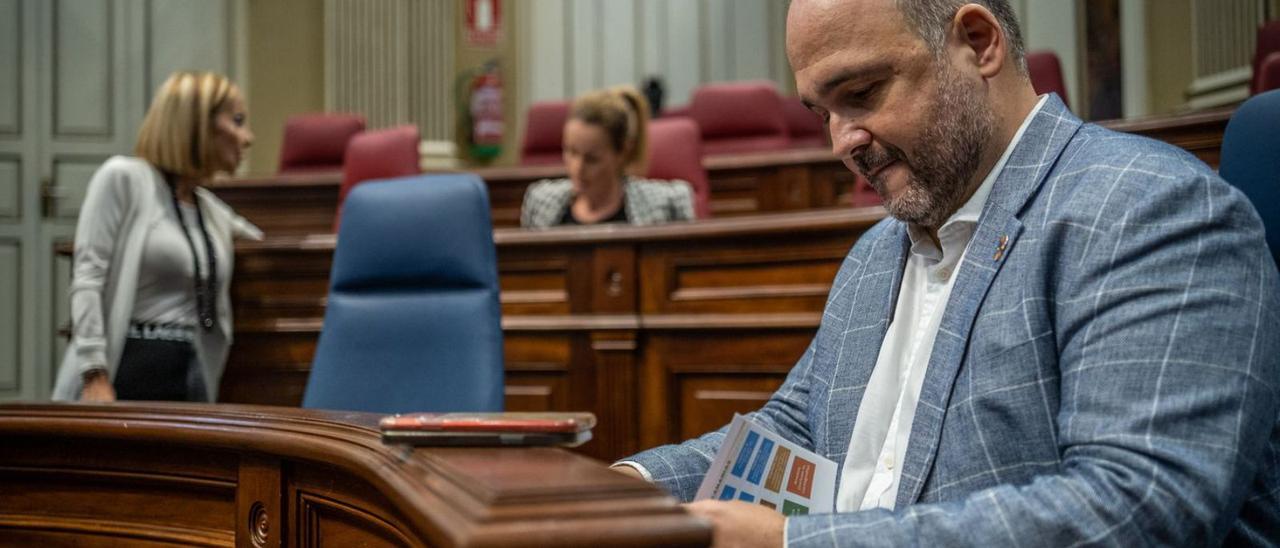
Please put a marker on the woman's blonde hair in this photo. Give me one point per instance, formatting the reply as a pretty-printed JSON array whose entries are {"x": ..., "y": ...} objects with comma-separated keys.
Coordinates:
[
  {"x": 175, "y": 134},
  {"x": 623, "y": 113}
]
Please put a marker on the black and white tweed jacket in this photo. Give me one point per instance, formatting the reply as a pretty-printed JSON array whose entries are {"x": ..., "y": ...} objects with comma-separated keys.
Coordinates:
[{"x": 646, "y": 201}]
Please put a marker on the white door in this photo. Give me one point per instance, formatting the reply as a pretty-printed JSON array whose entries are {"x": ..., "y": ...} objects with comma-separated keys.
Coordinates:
[{"x": 85, "y": 74}]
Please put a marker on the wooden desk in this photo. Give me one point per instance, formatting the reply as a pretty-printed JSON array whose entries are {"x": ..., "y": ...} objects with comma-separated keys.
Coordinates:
[
  {"x": 663, "y": 332},
  {"x": 742, "y": 184},
  {"x": 251, "y": 476}
]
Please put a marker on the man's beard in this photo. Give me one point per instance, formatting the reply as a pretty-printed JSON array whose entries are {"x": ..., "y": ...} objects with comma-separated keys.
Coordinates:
[{"x": 958, "y": 124}]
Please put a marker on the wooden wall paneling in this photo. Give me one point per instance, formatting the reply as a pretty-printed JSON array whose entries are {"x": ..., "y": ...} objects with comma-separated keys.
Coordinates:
[
  {"x": 694, "y": 379},
  {"x": 538, "y": 370},
  {"x": 260, "y": 520},
  {"x": 613, "y": 280},
  {"x": 534, "y": 281},
  {"x": 11, "y": 316},
  {"x": 614, "y": 354},
  {"x": 330, "y": 508}
]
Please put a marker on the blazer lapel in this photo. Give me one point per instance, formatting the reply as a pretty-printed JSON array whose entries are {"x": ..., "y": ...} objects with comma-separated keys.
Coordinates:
[
  {"x": 857, "y": 341},
  {"x": 997, "y": 233}
]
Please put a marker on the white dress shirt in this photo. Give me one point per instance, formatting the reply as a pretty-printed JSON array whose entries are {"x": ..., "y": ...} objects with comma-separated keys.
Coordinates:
[{"x": 872, "y": 467}]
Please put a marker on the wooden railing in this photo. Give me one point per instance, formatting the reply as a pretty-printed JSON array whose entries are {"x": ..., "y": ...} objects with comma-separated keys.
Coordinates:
[{"x": 250, "y": 476}]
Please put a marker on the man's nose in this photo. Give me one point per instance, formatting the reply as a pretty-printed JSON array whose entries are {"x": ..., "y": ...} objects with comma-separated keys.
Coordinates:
[{"x": 847, "y": 136}]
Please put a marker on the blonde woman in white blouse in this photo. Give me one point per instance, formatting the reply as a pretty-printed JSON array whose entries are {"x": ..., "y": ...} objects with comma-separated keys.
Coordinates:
[{"x": 150, "y": 311}]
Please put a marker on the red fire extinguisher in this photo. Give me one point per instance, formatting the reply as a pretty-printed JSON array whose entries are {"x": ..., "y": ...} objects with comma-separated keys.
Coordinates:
[{"x": 484, "y": 108}]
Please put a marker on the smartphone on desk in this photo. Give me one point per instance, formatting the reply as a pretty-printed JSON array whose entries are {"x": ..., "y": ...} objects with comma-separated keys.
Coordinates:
[{"x": 488, "y": 429}]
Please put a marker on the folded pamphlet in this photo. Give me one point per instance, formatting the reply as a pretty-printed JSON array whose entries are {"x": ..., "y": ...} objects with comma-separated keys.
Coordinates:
[{"x": 758, "y": 466}]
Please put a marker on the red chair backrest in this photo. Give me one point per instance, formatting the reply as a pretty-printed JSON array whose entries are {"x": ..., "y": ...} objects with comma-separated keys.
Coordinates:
[
  {"x": 806, "y": 128},
  {"x": 1268, "y": 43},
  {"x": 381, "y": 154},
  {"x": 544, "y": 133},
  {"x": 675, "y": 152},
  {"x": 1269, "y": 73},
  {"x": 1046, "y": 74},
  {"x": 739, "y": 117},
  {"x": 317, "y": 142}
]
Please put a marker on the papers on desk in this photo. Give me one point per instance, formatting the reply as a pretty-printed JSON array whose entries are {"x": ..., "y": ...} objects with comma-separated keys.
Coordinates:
[{"x": 757, "y": 466}]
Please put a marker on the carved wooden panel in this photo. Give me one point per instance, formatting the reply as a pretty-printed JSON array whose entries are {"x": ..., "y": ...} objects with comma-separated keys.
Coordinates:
[
  {"x": 110, "y": 493},
  {"x": 328, "y": 508}
]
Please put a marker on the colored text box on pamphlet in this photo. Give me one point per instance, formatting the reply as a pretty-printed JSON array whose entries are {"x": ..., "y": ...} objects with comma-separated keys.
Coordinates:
[
  {"x": 801, "y": 480},
  {"x": 745, "y": 496},
  {"x": 728, "y": 493},
  {"x": 773, "y": 481},
  {"x": 762, "y": 459},
  {"x": 744, "y": 456},
  {"x": 790, "y": 508}
]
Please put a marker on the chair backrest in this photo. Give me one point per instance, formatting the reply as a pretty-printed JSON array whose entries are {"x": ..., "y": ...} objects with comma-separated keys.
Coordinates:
[
  {"x": 1269, "y": 73},
  {"x": 805, "y": 127},
  {"x": 1251, "y": 159},
  {"x": 1046, "y": 74},
  {"x": 739, "y": 117},
  {"x": 381, "y": 154},
  {"x": 317, "y": 142},
  {"x": 675, "y": 152},
  {"x": 412, "y": 321},
  {"x": 1268, "y": 42},
  {"x": 544, "y": 133}
]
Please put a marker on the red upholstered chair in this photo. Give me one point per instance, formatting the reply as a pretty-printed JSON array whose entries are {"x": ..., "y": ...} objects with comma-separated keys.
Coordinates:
[
  {"x": 805, "y": 127},
  {"x": 1269, "y": 73},
  {"x": 1268, "y": 43},
  {"x": 381, "y": 154},
  {"x": 681, "y": 111},
  {"x": 317, "y": 142},
  {"x": 675, "y": 152},
  {"x": 739, "y": 117},
  {"x": 1046, "y": 74},
  {"x": 544, "y": 133}
]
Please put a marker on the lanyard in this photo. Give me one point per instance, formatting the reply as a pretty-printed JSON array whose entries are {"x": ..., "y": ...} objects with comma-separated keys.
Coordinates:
[{"x": 206, "y": 286}]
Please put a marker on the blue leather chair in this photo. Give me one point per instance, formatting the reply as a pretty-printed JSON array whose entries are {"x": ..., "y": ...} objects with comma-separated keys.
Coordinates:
[
  {"x": 413, "y": 321},
  {"x": 1251, "y": 159}
]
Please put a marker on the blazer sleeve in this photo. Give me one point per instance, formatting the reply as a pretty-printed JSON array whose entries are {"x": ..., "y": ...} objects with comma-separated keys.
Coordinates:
[
  {"x": 106, "y": 203},
  {"x": 1166, "y": 325}
]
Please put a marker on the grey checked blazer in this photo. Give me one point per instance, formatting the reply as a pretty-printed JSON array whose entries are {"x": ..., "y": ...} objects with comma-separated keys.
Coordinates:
[
  {"x": 1107, "y": 379},
  {"x": 647, "y": 202}
]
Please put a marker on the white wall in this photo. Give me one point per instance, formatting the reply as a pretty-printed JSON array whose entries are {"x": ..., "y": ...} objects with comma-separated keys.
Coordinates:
[
  {"x": 1051, "y": 24},
  {"x": 579, "y": 45}
]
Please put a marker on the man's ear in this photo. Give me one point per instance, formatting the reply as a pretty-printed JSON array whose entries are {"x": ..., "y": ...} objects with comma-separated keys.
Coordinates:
[{"x": 981, "y": 38}]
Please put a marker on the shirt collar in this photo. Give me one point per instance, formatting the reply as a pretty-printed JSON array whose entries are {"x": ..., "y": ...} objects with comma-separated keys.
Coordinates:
[{"x": 967, "y": 216}]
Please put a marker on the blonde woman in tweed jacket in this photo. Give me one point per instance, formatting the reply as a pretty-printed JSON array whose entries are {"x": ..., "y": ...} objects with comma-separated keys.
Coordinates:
[{"x": 605, "y": 140}]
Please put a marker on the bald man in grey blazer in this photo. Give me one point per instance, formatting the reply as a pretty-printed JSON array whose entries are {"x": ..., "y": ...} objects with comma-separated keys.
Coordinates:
[{"x": 1062, "y": 336}]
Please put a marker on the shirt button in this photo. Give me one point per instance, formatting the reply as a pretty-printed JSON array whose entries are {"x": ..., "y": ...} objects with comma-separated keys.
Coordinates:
[
  {"x": 888, "y": 462},
  {"x": 943, "y": 273}
]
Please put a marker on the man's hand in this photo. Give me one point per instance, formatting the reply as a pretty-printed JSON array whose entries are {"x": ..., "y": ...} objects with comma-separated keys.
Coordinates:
[
  {"x": 739, "y": 524},
  {"x": 97, "y": 387}
]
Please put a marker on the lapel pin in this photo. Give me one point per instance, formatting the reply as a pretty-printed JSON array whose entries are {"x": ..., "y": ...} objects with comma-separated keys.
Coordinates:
[{"x": 1001, "y": 245}]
